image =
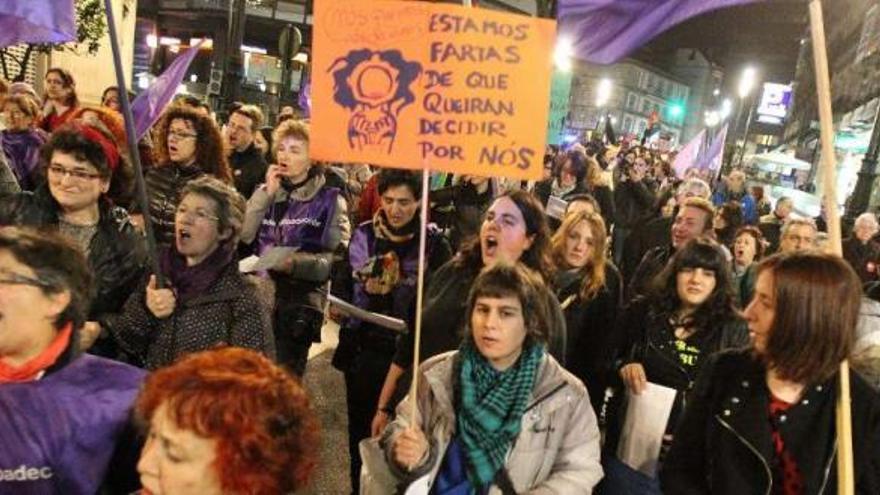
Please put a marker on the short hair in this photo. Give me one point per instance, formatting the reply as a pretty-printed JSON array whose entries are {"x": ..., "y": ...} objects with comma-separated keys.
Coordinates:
[
  {"x": 793, "y": 222},
  {"x": 756, "y": 234},
  {"x": 67, "y": 139},
  {"x": 579, "y": 164},
  {"x": 781, "y": 200},
  {"x": 696, "y": 185},
  {"x": 107, "y": 90},
  {"x": 24, "y": 103},
  {"x": 732, "y": 213},
  {"x": 515, "y": 280},
  {"x": 810, "y": 337},
  {"x": 736, "y": 172},
  {"x": 210, "y": 154},
  {"x": 252, "y": 112},
  {"x": 705, "y": 206},
  {"x": 594, "y": 272},
  {"x": 110, "y": 119},
  {"x": 68, "y": 82},
  {"x": 230, "y": 204},
  {"x": 390, "y": 177},
  {"x": 56, "y": 262},
  {"x": 259, "y": 416},
  {"x": 866, "y": 218},
  {"x": 586, "y": 198},
  {"x": 290, "y": 128}
]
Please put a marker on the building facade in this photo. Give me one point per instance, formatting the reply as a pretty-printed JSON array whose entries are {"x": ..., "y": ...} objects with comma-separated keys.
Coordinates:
[{"x": 638, "y": 91}]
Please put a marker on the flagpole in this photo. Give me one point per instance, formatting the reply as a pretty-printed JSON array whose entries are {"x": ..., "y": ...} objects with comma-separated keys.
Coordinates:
[
  {"x": 845, "y": 470},
  {"x": 132, "y": 145},
  {"x": 420, "y": 289}
]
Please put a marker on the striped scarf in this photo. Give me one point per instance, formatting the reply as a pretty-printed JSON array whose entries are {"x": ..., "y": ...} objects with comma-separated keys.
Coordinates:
[{"x": 490, "y": 408}]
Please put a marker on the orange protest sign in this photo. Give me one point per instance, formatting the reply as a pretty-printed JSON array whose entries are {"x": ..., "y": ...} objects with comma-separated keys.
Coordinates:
[{"x": 415, "y": 85}]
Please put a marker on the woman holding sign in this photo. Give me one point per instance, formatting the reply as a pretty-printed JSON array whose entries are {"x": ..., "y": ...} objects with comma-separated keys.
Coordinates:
[
  {"x": 766, "y": 416},
  {"x": 298, "y": 222},
  {"x": 500, "y": 412},
  {"x": 514, "y": 229},
  {"x": 689, "y": 316}
]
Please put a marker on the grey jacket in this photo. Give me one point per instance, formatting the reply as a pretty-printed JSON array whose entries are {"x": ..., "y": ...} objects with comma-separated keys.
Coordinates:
[{"x": 557, "y": 451}]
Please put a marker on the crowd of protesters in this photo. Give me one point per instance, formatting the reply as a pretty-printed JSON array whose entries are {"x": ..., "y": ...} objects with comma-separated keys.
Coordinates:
[{"x": 549, "y": 307}]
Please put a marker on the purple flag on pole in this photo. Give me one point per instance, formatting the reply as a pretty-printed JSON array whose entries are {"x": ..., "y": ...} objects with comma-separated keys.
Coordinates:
[
  {"x": 713, "y": 157},
  {"x": 149, "y": 105},
  {"x": 689, "y": 155},
  {"x": 605, "y": 31},
  {"x": 305, "y": 98},
  {"x": 37, "y": 21}
]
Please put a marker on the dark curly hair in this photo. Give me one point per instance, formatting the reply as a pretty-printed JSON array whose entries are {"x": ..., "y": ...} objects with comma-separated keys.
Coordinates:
[
  {"x": 67, "y": 139},
  {"x": 719, "y": 307},
  {"x": 538, "y": 257},
  {"x": 258, "y": 414},
  {"x": 210, "y": 154}
]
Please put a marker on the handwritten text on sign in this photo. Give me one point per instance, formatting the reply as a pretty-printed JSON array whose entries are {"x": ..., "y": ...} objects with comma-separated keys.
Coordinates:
[{"x": 410, "y": 85}]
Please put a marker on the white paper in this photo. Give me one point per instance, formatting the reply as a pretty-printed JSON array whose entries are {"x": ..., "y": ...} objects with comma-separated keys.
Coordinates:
[
  {"x": 647, "y": 415},
  {"x": 556, "y": 207},
  {"x": 381, "y": 320},
  {"x": 270, "y": 259},
  {"x": 421, "y": 486}
]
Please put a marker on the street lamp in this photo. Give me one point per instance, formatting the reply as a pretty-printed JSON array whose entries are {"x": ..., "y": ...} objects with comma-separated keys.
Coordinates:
[
  {"x": 726, "y": 108},
  {"x": 747, "y": 81},
  {"x": 563, "y": 53},
  {"x": 603, "y": 94},
  {"x": 746, "y": 84},
  {"x": 712, "y": 119}
]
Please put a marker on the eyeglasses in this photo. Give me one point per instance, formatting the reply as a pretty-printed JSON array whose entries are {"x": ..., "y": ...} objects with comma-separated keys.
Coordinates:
[
  {"x": 181, "y": 135},
  {"x": 79, "y": 175},
  {"x": 10, "y": 278},
  {"x": 199, "y": 214}
]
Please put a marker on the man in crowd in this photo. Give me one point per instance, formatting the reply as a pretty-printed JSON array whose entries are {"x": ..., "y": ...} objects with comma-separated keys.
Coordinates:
[
  {"x": 694, "y": 219},
  {"x": 736, "y": 192},
  {"x": 248, "y": 164},
  {"x": 860, "y": 250},
  {"x": 771, "y": 225},
  {"x": 797, "y": 234}
]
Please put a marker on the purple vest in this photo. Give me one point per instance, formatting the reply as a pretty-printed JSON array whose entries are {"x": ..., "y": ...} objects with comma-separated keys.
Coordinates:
[
  {"x": 304, "y": 224},
  {"x": 23, "y": 151},
  {"x": 57, "y": 434}
]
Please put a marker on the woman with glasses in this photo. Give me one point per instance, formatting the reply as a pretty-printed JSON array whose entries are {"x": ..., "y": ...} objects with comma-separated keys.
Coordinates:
[
  {"x": 189, "y": 146},
  {"x": 60, "y": 100},
  {"x": 205, "y": 301},
  {"x": 65, "y": 415},
  {"x": 21, "y": 140},
  {"x": 82, "y": 168}
]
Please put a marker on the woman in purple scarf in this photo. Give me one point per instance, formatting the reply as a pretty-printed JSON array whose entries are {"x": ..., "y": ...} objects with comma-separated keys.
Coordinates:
[
  {"x": 22, "y": 140},
  {"x": 206, "y": 301}
]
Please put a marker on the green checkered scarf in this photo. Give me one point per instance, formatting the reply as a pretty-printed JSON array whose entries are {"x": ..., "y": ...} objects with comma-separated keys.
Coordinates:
[{"x": 490, "y": 408}]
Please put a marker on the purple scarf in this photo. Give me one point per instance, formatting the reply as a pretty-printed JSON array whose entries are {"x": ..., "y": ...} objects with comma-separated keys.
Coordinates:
[
  {"x": 23, "y": 151},
  {"x": 192, "y": 281}
]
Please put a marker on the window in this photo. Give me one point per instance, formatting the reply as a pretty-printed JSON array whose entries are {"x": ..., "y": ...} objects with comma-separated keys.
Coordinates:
[
  {"x": 627, "y": 124},
  {"x": 632, "y": 102}
]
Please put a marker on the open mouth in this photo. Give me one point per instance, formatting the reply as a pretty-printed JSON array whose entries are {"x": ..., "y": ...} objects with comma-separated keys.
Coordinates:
[
  {"x": 491, "y": 244},
  {"x": 183, "y": 235}
]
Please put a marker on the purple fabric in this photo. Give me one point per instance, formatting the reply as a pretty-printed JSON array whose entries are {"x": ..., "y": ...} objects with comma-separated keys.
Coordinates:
[
  {"x": 303, "y": 224},
  {"x": 57, "y": 434},
  {"x": 22, "y": 150},
  {"x": 688, "y": 155},
  {"x": 605, "y": 31},
  {"x": 36, "y": 21},
  {"x": 711, "y": 159},
  {"x": 305, "y": 99},
  {"x": 149, "y": 105},
  {"x": 192, "y": 281}
]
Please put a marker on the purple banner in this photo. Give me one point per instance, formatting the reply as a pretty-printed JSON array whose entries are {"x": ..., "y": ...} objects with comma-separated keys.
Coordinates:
[
  {"x": 37, "y": 21},
  {"x": 149, "y": 105},
  {"x": 605, "y": 31}
]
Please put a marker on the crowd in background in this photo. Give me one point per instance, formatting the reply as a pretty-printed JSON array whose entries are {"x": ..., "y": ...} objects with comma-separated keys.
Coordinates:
[{"x": 548, "y": 305}]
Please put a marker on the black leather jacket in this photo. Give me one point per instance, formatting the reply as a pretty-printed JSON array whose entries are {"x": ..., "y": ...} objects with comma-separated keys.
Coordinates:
[{"x": 117, "y": 253}]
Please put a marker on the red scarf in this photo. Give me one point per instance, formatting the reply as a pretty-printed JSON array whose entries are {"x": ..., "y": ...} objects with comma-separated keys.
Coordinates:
[{"x": 31, "y": 369}]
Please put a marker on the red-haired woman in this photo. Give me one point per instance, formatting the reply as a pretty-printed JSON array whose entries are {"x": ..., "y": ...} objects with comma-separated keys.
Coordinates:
[
  {"x": 226, "y": 421},
  {"x": 763, "y": 420},
  {"x": 60, "y": 100}
]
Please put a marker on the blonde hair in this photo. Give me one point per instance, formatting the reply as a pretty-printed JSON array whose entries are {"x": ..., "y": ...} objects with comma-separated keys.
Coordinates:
[
  {"x": 298, "y": 129},
  {"x": 594, "y": 271}
]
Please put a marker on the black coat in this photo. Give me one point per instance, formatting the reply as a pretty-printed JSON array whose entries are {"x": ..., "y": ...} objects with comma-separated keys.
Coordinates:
[
  {"x": 859, "y": 256},
  {"x": 228, "y": 313},
  {"x": 164, "y": 185},
  {"x": 632, "y": 203},
  {"x": 723, "y": 444},
  {"x": 117, "y": 253},
  {"x": 589, "y": 329},
  {"x": 655, "y": 232},
  {"x": 248, "y": 169},
  {"x": 651, "y": 265}
]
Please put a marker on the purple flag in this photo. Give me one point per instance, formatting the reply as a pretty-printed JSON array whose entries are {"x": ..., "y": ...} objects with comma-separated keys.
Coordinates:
[
  {"x": 689, "y": 155},
  {"x": 36, "y": 21},
  {"x": 711, "y": 160},
  {"x": 149, "y": 105},
  {"x": 305, "y": 98},
  {"x": 605, "y": 31}
]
